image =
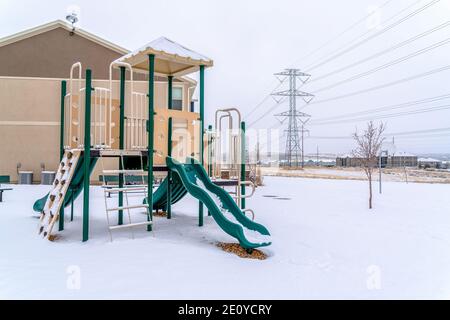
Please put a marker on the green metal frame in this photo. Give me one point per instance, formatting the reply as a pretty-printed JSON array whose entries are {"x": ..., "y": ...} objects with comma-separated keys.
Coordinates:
[
  {"x": 87, "y": 154},
  {"x": 121, "y": 137},
  {"x": 210, "y": 128},
  {"x": 202, "y": 117},
  {"x": 169, "y": 173},
  {"x": 209, "y": 155},
  {"x": 169, "y": 92},
  {"x": 151, "y": 114},
  {"x": 242, "y": 164},
  {"x": 61, "y": 145}
]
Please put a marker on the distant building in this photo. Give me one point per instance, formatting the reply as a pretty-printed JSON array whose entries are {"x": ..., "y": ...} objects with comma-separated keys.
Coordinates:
[
  {"x": 396, "y": 160},
  {"x": 426, "y": 163}
]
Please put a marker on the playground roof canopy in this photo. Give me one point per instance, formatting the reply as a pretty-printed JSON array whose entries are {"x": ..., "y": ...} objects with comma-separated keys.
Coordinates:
[{"x": 171, "y": 58}]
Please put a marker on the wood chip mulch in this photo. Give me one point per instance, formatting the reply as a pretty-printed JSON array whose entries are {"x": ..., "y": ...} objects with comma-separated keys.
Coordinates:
[
  {"x": 53, "y": 237},
  {"x": 160, "y": 214},
  {"x": 241, "y": 252}
]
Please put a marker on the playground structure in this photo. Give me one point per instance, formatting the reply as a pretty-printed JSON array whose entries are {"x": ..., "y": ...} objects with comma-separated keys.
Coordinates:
[{"x": 96, "y": 123}]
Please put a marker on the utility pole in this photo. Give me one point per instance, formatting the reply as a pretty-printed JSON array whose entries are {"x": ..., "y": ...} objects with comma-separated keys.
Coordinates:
[
  {"x": 317, "y": 156},
  {"x": 379, "y": 166},
  {"x": 293, "y": 147}
]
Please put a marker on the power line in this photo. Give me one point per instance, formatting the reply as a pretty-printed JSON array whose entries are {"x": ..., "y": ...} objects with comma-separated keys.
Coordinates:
[
  {"x": 256, "y": 107},
  {"x": 365, "y": 40},
  {"x": 384, "y": 30},
  {"x": 383, "y": 86},
  {"x": 418, "y": 131},
  {"x": 385, "y": 108},
  {"x": 363, "y": 34},
  {"x": 404, "y": 133},
  {"x": 351, "y": 27},
  {"x": 387, "y": 65},
  {"x": 391, "y": 115},
  {"x": 262, "y": 101},
  {"x": 376, "y": 55}
]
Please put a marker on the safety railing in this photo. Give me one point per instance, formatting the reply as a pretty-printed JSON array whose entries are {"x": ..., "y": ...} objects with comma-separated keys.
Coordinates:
[
  {"x": 73, "y": 103},
  {"x": 101, "y": 118},
  {"x": 136, "y": 122}
]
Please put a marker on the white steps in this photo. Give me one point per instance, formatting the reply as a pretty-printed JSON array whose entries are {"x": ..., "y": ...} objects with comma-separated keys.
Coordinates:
[
  {"x": 126, "y": 172},
  {"x": 114, "y": 152},
  {"x": 130, "y": 225},
  {"x": 129, "y": 189},
  {"x": 127, "y": 207},
  {"x": 55, "y": 199}
]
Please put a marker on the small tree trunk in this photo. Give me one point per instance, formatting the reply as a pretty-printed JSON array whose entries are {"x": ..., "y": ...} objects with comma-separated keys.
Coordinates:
[{"x": 370, "y": 191}]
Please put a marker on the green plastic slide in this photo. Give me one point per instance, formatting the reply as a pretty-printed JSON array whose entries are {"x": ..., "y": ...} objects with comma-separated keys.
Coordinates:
[
  {"x": 197, "y": 183},
  {"x": 75, "y": 187}
]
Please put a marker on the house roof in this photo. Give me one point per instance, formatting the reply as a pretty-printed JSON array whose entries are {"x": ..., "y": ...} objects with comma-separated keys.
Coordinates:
[
  {"x": 60, "y": 24},
  {"x": 83, "y": 33},
  {"x": 171, "y": 58}
]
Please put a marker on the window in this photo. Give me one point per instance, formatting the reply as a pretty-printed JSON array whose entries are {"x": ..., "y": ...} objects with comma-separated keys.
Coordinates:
[{"x": 177, "y": 98}]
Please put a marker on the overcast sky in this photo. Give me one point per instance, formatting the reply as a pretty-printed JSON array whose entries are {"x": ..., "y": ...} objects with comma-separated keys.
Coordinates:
[{"x": 250, "y": 40}]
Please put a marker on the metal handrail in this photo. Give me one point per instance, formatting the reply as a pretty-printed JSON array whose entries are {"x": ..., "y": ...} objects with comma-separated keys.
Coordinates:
[
  {"x": 251, "y": 211},
  {"x": 248, "y": 183}
]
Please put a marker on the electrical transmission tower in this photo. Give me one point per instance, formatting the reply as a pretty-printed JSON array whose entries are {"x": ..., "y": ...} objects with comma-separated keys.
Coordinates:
[{"x": 296, "y": 119}]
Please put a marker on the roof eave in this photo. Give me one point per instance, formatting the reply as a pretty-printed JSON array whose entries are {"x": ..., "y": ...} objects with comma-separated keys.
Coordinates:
[{"x": 60, "y": 24}]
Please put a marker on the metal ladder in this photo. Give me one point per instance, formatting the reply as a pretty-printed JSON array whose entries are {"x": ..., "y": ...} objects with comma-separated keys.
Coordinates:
[{"x": 126, "y": 190}]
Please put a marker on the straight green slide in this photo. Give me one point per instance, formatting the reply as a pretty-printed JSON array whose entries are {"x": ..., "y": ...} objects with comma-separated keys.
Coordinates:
[
  {"x": 75, "y": 187},
  {"x": 220, "y": 204}
]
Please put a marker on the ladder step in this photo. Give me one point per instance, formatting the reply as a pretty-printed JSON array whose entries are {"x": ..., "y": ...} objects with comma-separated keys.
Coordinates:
[
  {"x": 112, "y": 190},
  {"x": 127, "y": 172},
  {"x": 129, "y": 225},
  {"x": 115, "y": 152},
  {"x": 128, "y": 207}
]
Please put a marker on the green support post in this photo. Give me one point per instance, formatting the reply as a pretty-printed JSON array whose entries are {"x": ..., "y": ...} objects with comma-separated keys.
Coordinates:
[
  {"x": 209, "y": 155},
  {"x": 61, "y": 144},
  {"x": 202, "y": 117},
  {"x": 151, "y": 113},
  {"x": 121, "y": 137},
  {"x": 169, "y": 92},
  {"x": 210, "y": 151},
  {"x": 87, "y": 154},
  {"x": 61, "y": 131},
  {"x": 169, "y": 146},
  {"x": 71, "y": 206},
  {"x": 169, "y": 173},
  {"x": 242, "y": 164}
]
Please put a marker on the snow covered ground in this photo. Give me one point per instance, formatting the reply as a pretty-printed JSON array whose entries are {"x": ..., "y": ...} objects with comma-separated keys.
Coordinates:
[{"x": 326, "y": 244}]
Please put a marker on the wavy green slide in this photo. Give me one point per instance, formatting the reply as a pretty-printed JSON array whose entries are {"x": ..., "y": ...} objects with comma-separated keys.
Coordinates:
[
  {"x": 75, "y": 188},
  {"x": 220, "y": 204}
]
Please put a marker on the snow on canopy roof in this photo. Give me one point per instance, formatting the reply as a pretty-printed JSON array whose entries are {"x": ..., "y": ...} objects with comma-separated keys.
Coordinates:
[{"x": 171, "y": 58}]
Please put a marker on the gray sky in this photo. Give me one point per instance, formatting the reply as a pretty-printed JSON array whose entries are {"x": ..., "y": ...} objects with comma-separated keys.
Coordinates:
[{"x": 250, "y": 40}]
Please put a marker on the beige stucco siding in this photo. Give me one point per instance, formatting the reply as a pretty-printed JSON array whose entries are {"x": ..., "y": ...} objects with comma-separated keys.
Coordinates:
[
  {"x": 50, "y": 55},
  {"x": 30, "y": 116}
]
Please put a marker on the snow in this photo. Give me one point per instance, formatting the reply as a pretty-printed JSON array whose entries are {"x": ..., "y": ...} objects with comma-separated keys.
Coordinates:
[
  {"x": 326, "y": 244},
  {"x": 168, "y": 46}
]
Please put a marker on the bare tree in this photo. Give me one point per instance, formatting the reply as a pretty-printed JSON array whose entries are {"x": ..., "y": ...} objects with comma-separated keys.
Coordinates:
[{"x": 367, "y": 150}]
